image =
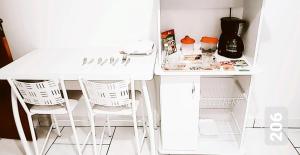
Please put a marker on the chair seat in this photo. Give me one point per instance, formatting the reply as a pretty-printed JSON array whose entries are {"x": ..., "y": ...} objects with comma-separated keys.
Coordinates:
[
  {"x": 117, "y": 110},
  {"x": 53, "y": 109}
]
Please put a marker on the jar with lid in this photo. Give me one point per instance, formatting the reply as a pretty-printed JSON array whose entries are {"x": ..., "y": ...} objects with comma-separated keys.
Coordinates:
[
  {"x": 187, "y": 44},
  {"x": 208, "y": 48},
  {"x": 209, "y": 45}
]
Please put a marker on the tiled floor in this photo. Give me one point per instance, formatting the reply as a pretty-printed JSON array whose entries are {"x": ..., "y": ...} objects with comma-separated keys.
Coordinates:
[
  {"x": 294, "y": 136},
  {"x": 256, "y": 145},
  {"x": 122, "y": 142}
]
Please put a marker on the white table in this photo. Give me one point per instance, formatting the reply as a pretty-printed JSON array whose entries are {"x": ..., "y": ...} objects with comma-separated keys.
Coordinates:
[{"x": 67, "y": 65}]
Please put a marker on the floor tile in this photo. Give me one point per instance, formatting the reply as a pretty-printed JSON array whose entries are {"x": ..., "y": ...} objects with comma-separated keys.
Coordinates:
[
  {"x": 294, "y": 135},
  {"x": 298, "y": 149},
  {"x": 255, "y": 144},
  {"x": 42, "y": 133},
  {"x": 68, "y": 137},
  {"x": 14, "y": 147},
  {"x": 124, "y": 141},
  {"x": 11, "y": 147},
  {"x": 67, "y": 149}
]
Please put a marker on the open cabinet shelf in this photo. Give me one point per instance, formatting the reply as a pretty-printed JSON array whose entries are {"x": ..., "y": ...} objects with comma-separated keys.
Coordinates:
[{"x": 198, "y": 18}]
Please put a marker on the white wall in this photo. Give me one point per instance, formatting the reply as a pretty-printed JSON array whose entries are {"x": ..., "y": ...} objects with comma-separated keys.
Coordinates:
[
  {"x": 278, "y": 84},
  {"x": 22, "y": 24},
  {"x": 74, "y": 23}
]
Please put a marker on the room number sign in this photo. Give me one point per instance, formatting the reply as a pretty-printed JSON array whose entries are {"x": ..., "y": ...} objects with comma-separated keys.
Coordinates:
[{"x": 276, "y": 122}]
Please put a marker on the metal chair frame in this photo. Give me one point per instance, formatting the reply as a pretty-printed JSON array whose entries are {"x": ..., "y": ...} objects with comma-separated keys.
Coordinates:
[
  {"x": 116, "y": 102},
  {"x": 41, "y": 94}
]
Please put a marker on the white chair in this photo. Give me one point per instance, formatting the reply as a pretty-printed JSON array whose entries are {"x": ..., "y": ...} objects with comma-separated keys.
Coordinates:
[
  {"x": 45, "y": 98},
  {"x": 112, "y": 98}
]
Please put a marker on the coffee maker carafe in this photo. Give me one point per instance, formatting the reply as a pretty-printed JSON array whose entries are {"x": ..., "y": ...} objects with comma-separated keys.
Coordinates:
[{"x": 230, "y": 42}]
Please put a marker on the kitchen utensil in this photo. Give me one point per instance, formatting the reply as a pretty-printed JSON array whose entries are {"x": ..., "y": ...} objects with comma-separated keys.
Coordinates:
[
  {"x": 115, "y": 61},
  {"x": 127, "y": 62},
  {"x": 84, "y": 61},
  {"x": 111, "y": 60},
  {"x": 231, "y": 44},
  {"x": 99, "y": 60},
  {"x": 124, "y": 58},
  {"x": 104, "y": 61},
  {"x": 91, "y": 61}
]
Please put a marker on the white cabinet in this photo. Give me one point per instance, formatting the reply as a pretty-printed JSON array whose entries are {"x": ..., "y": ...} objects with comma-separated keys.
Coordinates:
[
  {"x": 205, "y": 111},
  {"x": 202, "y": 115},
  {"x": 179, "y": 98}
]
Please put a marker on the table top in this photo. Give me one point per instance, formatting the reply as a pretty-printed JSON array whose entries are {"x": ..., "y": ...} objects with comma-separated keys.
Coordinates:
[{"x": 67, "y": 64}]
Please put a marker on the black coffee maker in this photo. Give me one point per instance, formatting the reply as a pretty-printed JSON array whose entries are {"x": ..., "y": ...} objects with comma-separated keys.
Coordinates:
[{"x": 230, "y": 41}]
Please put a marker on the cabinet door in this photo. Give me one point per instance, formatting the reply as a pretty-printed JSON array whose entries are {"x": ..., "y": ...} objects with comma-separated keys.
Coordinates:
[{"x": 179, "y": 99}]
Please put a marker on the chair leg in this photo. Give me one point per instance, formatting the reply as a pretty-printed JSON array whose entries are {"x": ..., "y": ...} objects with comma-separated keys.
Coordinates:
[
  {"x": 56, "y": 124},
  {"x": 101, "y": 139},
  {"x": 33, "y": 134},
  {"x": 92, "y": 119},
  {"x": 108, "y": 126},
  {"x": 74, "y": 132},
  {"x": 136, "y": 134},
  {"x": 144, "y": 127},
  {"x": 144, "y": 119}
]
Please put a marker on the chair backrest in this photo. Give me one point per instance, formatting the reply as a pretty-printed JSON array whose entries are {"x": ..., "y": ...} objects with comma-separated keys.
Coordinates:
[
  {"x": 108, "y": 93},
  {"x": 40, "y": 93}
]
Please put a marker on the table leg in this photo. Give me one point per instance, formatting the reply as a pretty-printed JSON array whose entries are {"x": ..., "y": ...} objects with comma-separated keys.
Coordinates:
[
  {"x": 150, "y": 118},
  {"x": 15, "y": 109},
  {"x": 152, "y": 88}
]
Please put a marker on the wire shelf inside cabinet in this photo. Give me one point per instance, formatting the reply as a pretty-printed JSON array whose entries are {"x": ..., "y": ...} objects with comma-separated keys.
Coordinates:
[
  {"x": 221, "y": 93},
  {"x": 218, "y": 125}
]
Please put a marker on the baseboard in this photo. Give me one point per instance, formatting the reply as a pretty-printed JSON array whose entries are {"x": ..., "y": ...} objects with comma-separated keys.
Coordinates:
[
  {"x": 292, "y": 123},
  {"x": 250, "y": 122},
  {"x": 83, "y": 121}
]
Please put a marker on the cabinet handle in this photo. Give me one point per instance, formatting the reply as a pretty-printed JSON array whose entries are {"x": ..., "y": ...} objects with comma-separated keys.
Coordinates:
[{"x": 193, "y": 89}]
